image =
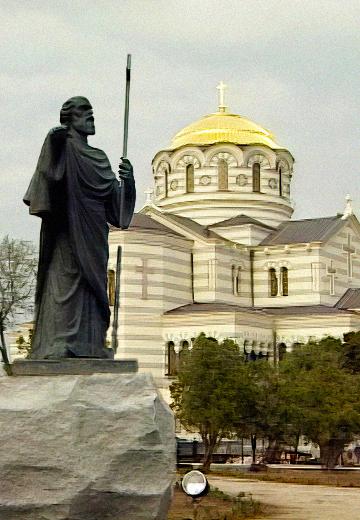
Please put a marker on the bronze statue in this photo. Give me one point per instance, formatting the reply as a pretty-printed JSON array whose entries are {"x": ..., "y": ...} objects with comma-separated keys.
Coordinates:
[{"x": 76, "y": 194}]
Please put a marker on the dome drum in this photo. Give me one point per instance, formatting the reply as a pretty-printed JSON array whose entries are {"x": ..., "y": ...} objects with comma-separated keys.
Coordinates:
[
  {"x": 208, "y": 209},
  {"x": 223, "y": 165}
]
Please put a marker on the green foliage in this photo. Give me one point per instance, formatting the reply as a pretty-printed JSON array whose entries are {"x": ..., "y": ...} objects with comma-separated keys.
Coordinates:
[
  {"x": 312, "y": 393},
  {"x": 351, "y": 352},
  {"x": 204, "y": 395},
  {"x": 258, "y": 403},
  {"x": 242, "y": 506},
  {"x": 321, "y": 396},
  {"x": 217, "y": 493}
]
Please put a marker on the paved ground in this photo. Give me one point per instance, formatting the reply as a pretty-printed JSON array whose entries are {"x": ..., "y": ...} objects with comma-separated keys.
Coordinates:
[{"x": 298, "y": 502}]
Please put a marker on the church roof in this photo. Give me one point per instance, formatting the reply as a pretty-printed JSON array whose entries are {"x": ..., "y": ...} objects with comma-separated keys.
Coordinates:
[
  {"x": 140, "y": 221},
  {"x": 191, "y": 308},
  {"x": 310, "y": 310},
  {"x": 239, "y": 220},
  {"x": 197, "y": 228},
  {"x": 349, "y": 300},
  {"x": 222, "y": 127},
  {"x": 302, "y": 310},
  {"x": 304, "y": 231},
  {"x": 182, "y": 222}
]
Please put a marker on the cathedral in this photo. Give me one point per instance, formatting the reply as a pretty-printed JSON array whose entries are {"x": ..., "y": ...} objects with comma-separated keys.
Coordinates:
[{"x": 214, "y": 250}]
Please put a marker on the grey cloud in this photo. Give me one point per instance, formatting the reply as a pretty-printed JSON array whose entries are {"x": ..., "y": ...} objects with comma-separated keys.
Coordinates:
[{"x": 291, "y": 66}]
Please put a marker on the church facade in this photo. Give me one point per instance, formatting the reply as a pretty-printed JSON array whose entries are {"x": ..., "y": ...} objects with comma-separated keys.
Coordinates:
[{"x": 215, "y": 250}]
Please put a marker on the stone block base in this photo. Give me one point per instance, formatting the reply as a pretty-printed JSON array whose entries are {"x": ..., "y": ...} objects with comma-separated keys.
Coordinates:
[
  {"x": 74, "y": 366},
  {"x": 85, "y": 447}
]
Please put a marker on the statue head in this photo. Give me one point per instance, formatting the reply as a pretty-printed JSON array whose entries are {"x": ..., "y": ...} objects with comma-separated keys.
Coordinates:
[{"x": 77, "y": 113}]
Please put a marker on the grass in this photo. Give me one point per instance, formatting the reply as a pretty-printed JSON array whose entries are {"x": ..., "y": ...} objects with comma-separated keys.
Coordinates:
[{"x": 215, "y": 506}]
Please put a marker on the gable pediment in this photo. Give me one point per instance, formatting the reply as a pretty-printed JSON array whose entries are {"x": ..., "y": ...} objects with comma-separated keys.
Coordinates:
[{"x": 184, "y": 226}]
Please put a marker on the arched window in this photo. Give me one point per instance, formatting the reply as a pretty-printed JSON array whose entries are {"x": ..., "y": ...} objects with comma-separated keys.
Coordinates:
[
  {"x": 284, "y": 281},
  {"x": 222, "y": 175},
  {"x": 111, "y": 286},
  {"x": 273, "y": 282},
  {"x": 236, "y": 279},
  {"x": 256, "y": 177},
  {"x": 189, "y": 178},
  {"x": 280, "y": 182},
  {"x": 184, "y": 348},
  {"x": 171, "y": 359},
  {"x": 252, "y": 356}
]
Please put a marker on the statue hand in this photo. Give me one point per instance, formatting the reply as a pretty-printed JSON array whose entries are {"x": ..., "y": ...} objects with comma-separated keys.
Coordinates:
[{"x": 125, "y": 169}]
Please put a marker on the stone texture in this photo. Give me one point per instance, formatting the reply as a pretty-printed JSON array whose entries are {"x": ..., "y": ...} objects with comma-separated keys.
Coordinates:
[
  {"x": 85, "y": 447},
  {"x": 76, "y": 366}
]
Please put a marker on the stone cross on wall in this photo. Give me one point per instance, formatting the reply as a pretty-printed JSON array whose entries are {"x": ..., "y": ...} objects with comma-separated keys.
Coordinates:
[
  {"x": 331, "y": 272},
  {"x": 350, "y": 251},
  {"x": 145, "y": 270}
]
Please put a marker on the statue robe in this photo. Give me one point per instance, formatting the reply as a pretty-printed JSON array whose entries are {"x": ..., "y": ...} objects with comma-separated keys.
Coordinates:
[{"x": 76, "y": 194}]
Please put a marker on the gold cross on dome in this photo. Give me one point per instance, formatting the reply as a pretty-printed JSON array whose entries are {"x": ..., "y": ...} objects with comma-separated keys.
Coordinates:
[{"x": 221, "y": 88}]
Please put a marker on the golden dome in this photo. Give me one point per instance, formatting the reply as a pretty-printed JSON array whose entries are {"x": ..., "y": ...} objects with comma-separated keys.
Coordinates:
[{"x": 223, "y": 127}]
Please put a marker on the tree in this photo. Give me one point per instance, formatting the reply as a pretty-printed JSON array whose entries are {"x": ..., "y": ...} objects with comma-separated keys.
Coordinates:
[
  {"x": 17, "y": 281},
  {"x": 204, "y": 395},
  {"x": 323, "y": 396},
  {"x": 351, "y": 352},
  {"x": 268, "y": 420},
  {"x": 263, "y": 410}
]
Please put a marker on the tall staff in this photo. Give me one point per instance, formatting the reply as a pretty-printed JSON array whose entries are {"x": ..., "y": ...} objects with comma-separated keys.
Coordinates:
[
  {"x": 126, "y": 115},
  {"x": 114, "y": 338}
]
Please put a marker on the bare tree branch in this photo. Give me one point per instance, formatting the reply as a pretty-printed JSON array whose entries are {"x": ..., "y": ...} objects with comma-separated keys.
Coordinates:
[{"x": 17, "y": 281}]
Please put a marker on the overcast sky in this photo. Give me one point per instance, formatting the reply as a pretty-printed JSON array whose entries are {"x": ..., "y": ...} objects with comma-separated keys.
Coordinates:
[{"x": 291, "y": 66}]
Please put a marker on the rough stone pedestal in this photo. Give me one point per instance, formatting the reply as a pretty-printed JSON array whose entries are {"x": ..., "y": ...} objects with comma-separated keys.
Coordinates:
[
  {"x": 72, "y": 366},
  {"x": 85, "y": 447}
]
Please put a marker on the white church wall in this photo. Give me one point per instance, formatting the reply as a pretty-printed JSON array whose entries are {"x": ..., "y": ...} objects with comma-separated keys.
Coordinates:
[
  {"x": 220, "y": 325},
  {"x": 300, "y": 329},
  {"x": 254, "y": 329},
  {"x": 232, "y": 276},
  {"x": 214, "y": 273},
  {"x": 204, "y": 272},
  {"x": 300, "y": 261},
  {"x": 341, "y": 269},
  {"x": 155, "y": 277},
  {"x": 245, "y": 234}
]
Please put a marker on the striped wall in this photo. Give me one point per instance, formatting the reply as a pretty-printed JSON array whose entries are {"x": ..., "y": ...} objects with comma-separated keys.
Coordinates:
[
  {"x": 333, "y": 254},
  {"x": 245, "y": 234},
  {"x": 239, "y": 326},
  {"x": 299, "y": 261},
  {"x": 213, "y": 274},
  {"x": 300, "y": 329},
  {"x": 145, "y": 297}
]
